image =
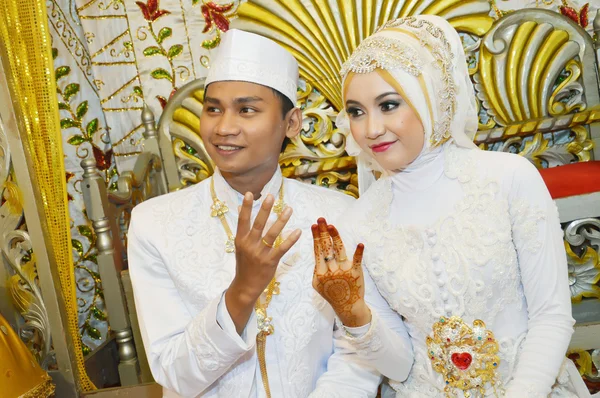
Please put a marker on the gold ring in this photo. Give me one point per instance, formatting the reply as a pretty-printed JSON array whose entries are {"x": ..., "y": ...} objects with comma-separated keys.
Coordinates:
[
  {"x": 328, "y": 259},
  {"x": 343, "y": 259},
  {"x": 267, "y": 244}
]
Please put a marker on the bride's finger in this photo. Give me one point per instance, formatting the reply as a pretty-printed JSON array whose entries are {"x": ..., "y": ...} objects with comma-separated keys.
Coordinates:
[
  {"x": 320, "y": 265},
  {"x": 358, "y": 256},
  {"x": 338, "y": 248},
  {"x": 327, "y": 246}
]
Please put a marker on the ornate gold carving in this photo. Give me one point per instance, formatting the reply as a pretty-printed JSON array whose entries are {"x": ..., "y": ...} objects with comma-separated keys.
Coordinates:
[
  {"x": 321, "y": 40},
  {"x": 192, "y": 169},
  {"x": 546, "y": 124},
  {"x": 588, "y": 363},
  {"x": 582, "y": 145},
  {"x": 45, "y": 389},
  {"x": 26, "y": 295},
  {"x": 567, "y": 96},
  {"x": 582, "y": 242},
  {"x": 527, "y": 71},
  {"x": 318, "y": 140},
  {"x": 345, "y": 182},
  {"x": 584, "y": 274}
]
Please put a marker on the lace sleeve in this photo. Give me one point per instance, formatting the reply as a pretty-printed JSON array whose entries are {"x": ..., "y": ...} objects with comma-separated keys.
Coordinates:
[
  {"x": 543, "y": 270},
  {"x": 386, "y": 345}
]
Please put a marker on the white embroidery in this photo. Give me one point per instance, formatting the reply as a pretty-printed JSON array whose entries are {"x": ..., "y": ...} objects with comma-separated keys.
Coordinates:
[
  {"x": 366, "y": 344},
  {"x": 465, "y": 264},
  {"x": 304, "y": 312},
  {"x": 207, "y": 352},
  {"x": 192, "y": 248},
  {"x": 525, "y": 219}
]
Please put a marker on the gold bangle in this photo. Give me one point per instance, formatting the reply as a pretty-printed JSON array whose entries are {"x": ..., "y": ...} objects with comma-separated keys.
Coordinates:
[{"x": 267, "y": 244}]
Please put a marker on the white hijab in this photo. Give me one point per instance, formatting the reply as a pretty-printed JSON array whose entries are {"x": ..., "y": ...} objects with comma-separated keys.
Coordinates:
[{"x": 425, "y": 57}]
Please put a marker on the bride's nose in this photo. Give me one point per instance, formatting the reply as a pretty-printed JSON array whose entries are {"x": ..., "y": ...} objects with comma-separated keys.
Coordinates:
[{"x": 375, "y": 127}]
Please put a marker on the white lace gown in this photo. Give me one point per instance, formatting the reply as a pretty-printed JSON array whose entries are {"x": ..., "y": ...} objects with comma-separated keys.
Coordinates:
[{"x": 472, "y": 234}]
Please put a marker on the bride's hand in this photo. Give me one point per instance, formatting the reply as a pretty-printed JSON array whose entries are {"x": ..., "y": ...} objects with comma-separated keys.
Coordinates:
[{"x": 339, "y": 280}]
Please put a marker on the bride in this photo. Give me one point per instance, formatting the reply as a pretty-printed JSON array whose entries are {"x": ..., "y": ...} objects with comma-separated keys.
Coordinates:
[{"x": 463, "y": 247}]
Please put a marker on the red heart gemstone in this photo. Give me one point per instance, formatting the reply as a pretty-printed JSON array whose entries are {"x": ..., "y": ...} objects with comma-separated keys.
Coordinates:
[{"x": 462, "y": 360}]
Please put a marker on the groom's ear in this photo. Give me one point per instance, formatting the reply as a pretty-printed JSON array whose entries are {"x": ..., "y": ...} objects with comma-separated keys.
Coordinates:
[{"x": 294, "y": 123}]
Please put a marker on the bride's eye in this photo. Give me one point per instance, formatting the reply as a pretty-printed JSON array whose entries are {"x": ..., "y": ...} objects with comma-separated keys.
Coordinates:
[
  {"x": 354, "y": 112},
  {"x": 389, "y": 105}
]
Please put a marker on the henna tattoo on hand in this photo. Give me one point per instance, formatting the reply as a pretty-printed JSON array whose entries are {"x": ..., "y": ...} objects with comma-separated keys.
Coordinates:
[
  {"x": 336, "y": 280},
  {"x": 342, "y": 291}
]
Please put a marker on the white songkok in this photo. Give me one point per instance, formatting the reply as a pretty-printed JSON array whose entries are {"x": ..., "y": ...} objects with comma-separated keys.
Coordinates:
[{"x": 248, "y": 57}]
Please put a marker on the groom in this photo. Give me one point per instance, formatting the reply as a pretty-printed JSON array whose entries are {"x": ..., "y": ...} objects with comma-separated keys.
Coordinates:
[{"x": 222, "y": 271}]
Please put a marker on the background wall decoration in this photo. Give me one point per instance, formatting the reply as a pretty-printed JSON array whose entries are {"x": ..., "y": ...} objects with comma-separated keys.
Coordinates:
[{"x": 112, "y": 57}]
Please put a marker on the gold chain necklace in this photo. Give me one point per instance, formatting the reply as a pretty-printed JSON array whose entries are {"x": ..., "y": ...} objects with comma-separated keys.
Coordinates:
[{"x": 265, "y": 327}]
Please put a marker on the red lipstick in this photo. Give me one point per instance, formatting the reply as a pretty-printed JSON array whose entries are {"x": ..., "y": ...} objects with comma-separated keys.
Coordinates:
[{"x": 384, "y": 146}]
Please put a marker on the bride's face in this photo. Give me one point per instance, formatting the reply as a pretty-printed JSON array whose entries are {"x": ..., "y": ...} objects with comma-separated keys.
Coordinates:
[{"x": 382, "y": 123}]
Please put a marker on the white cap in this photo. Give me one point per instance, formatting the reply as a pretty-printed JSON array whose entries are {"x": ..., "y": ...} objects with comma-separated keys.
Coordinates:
[{"x": 248, "y": 57}]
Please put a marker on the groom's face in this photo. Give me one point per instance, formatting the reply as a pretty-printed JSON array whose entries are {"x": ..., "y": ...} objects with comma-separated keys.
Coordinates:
[{"x": 242, "y": 126}]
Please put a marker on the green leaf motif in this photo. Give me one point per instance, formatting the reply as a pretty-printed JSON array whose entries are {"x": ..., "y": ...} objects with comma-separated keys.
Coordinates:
[
  {"x": 211, "y": 43},
  {"x": 194, "y": 2},
  {"x": 67, "y": 123},
  {"x": 153, "y": 50},
  {"x": 91, "y": 128},
  {"x": 138, "y": 91},
  {"x": 82, "y": 110},
  {"x": 63, "y": 106},
  {"x": 77, "y": 246},
  {"x": 94, "y": 333},
  {"x": 175, "y": 51},
  {"x": 160, "y": 73},
  {"x": 93, "y": 258},
  {"x": 128, "y": 45},
  {"x": 54, "y": 53},
  {"x": 98, "y": 313},
  {"x": 163, "y": 34},
  {"x": 62, "y": 71},
  {"x": 70, "y": 91},
  {"x": 76, "y": 140},
  {"x": 85, "y": 349},
  {"x": 86, "y": 231}
]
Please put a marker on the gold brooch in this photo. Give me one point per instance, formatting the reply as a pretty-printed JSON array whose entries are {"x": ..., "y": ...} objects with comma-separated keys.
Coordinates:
[{"x": 466, "y": 357}]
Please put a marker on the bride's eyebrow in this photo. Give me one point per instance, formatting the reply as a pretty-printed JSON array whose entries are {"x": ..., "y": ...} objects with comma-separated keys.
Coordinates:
[
  {"x": 353, "y": 102},
  {"x": 382, "y": 96},
  {"x": 378, "y": 98}
]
